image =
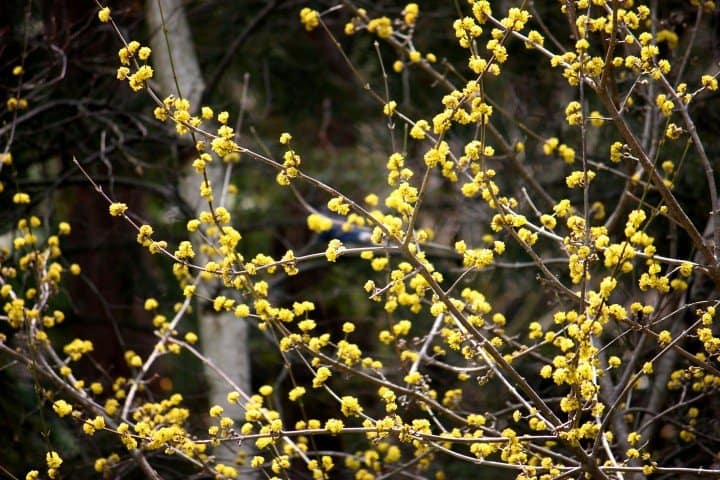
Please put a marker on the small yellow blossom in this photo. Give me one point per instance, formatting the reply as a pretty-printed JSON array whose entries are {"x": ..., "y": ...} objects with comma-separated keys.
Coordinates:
[
  {"x": 410, "y": 13},
  {"x": 709, "y": 82},
  {"x": 350, "y": 406},
  {"x": 381, "y": 26},
  {"x": 633, "y": 438},
  {"x": 550, "y": 145},
  {"x": 418, "y": 130},
  {"x": 137, "y": 80},
  {"x": 296, "y": 393},
  {"x": 62, "y": 408},
  {"x": 53, "y": 460},
  {"x": 413, "y": 378},
  {"x": 389, "y": 108},
  {"x": 104, "y": 14},
  {"x": 319, "y": 223},
  {"x": 151, "y": 304},
  {"x": 334, "y": 426},
  {"x": 673, "y": 132},
  {"x": 573, "y": 113},
  {"x": 322, "y": 374},
  {"x": 144, "y": 53},
  {"x": 21, "y": 198},
  {"x": 647, "y": 368},
  {"x": 309, "y": 18},
  {"x": 579, "y": 178}
]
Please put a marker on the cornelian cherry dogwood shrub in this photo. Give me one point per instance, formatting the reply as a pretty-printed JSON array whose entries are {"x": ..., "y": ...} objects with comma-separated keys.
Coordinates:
[{"x": 615, "y": 378}]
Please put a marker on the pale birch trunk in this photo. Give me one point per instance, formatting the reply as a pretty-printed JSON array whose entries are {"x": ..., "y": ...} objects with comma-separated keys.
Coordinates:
[{"x": 223, "y": 336}]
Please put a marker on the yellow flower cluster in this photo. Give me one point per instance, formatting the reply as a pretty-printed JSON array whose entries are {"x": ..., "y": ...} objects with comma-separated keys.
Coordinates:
[
  {"x": 104, "y": 14},
  {"x": 309, "y": 18},
  {"x": 132, "y": 52},
  {"x": 381, "y": 26}
]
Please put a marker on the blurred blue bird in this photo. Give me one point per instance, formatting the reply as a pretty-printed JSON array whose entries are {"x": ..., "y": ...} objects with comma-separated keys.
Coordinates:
[{"x": 355, "y": 235}]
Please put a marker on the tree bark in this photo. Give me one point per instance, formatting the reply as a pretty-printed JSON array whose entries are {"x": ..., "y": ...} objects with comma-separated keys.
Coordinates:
[{"x": 223, "y": 336}]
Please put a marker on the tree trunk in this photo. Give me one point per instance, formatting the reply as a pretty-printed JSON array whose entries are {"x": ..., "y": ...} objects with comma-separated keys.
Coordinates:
[{"x": 223, "y": 336}]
